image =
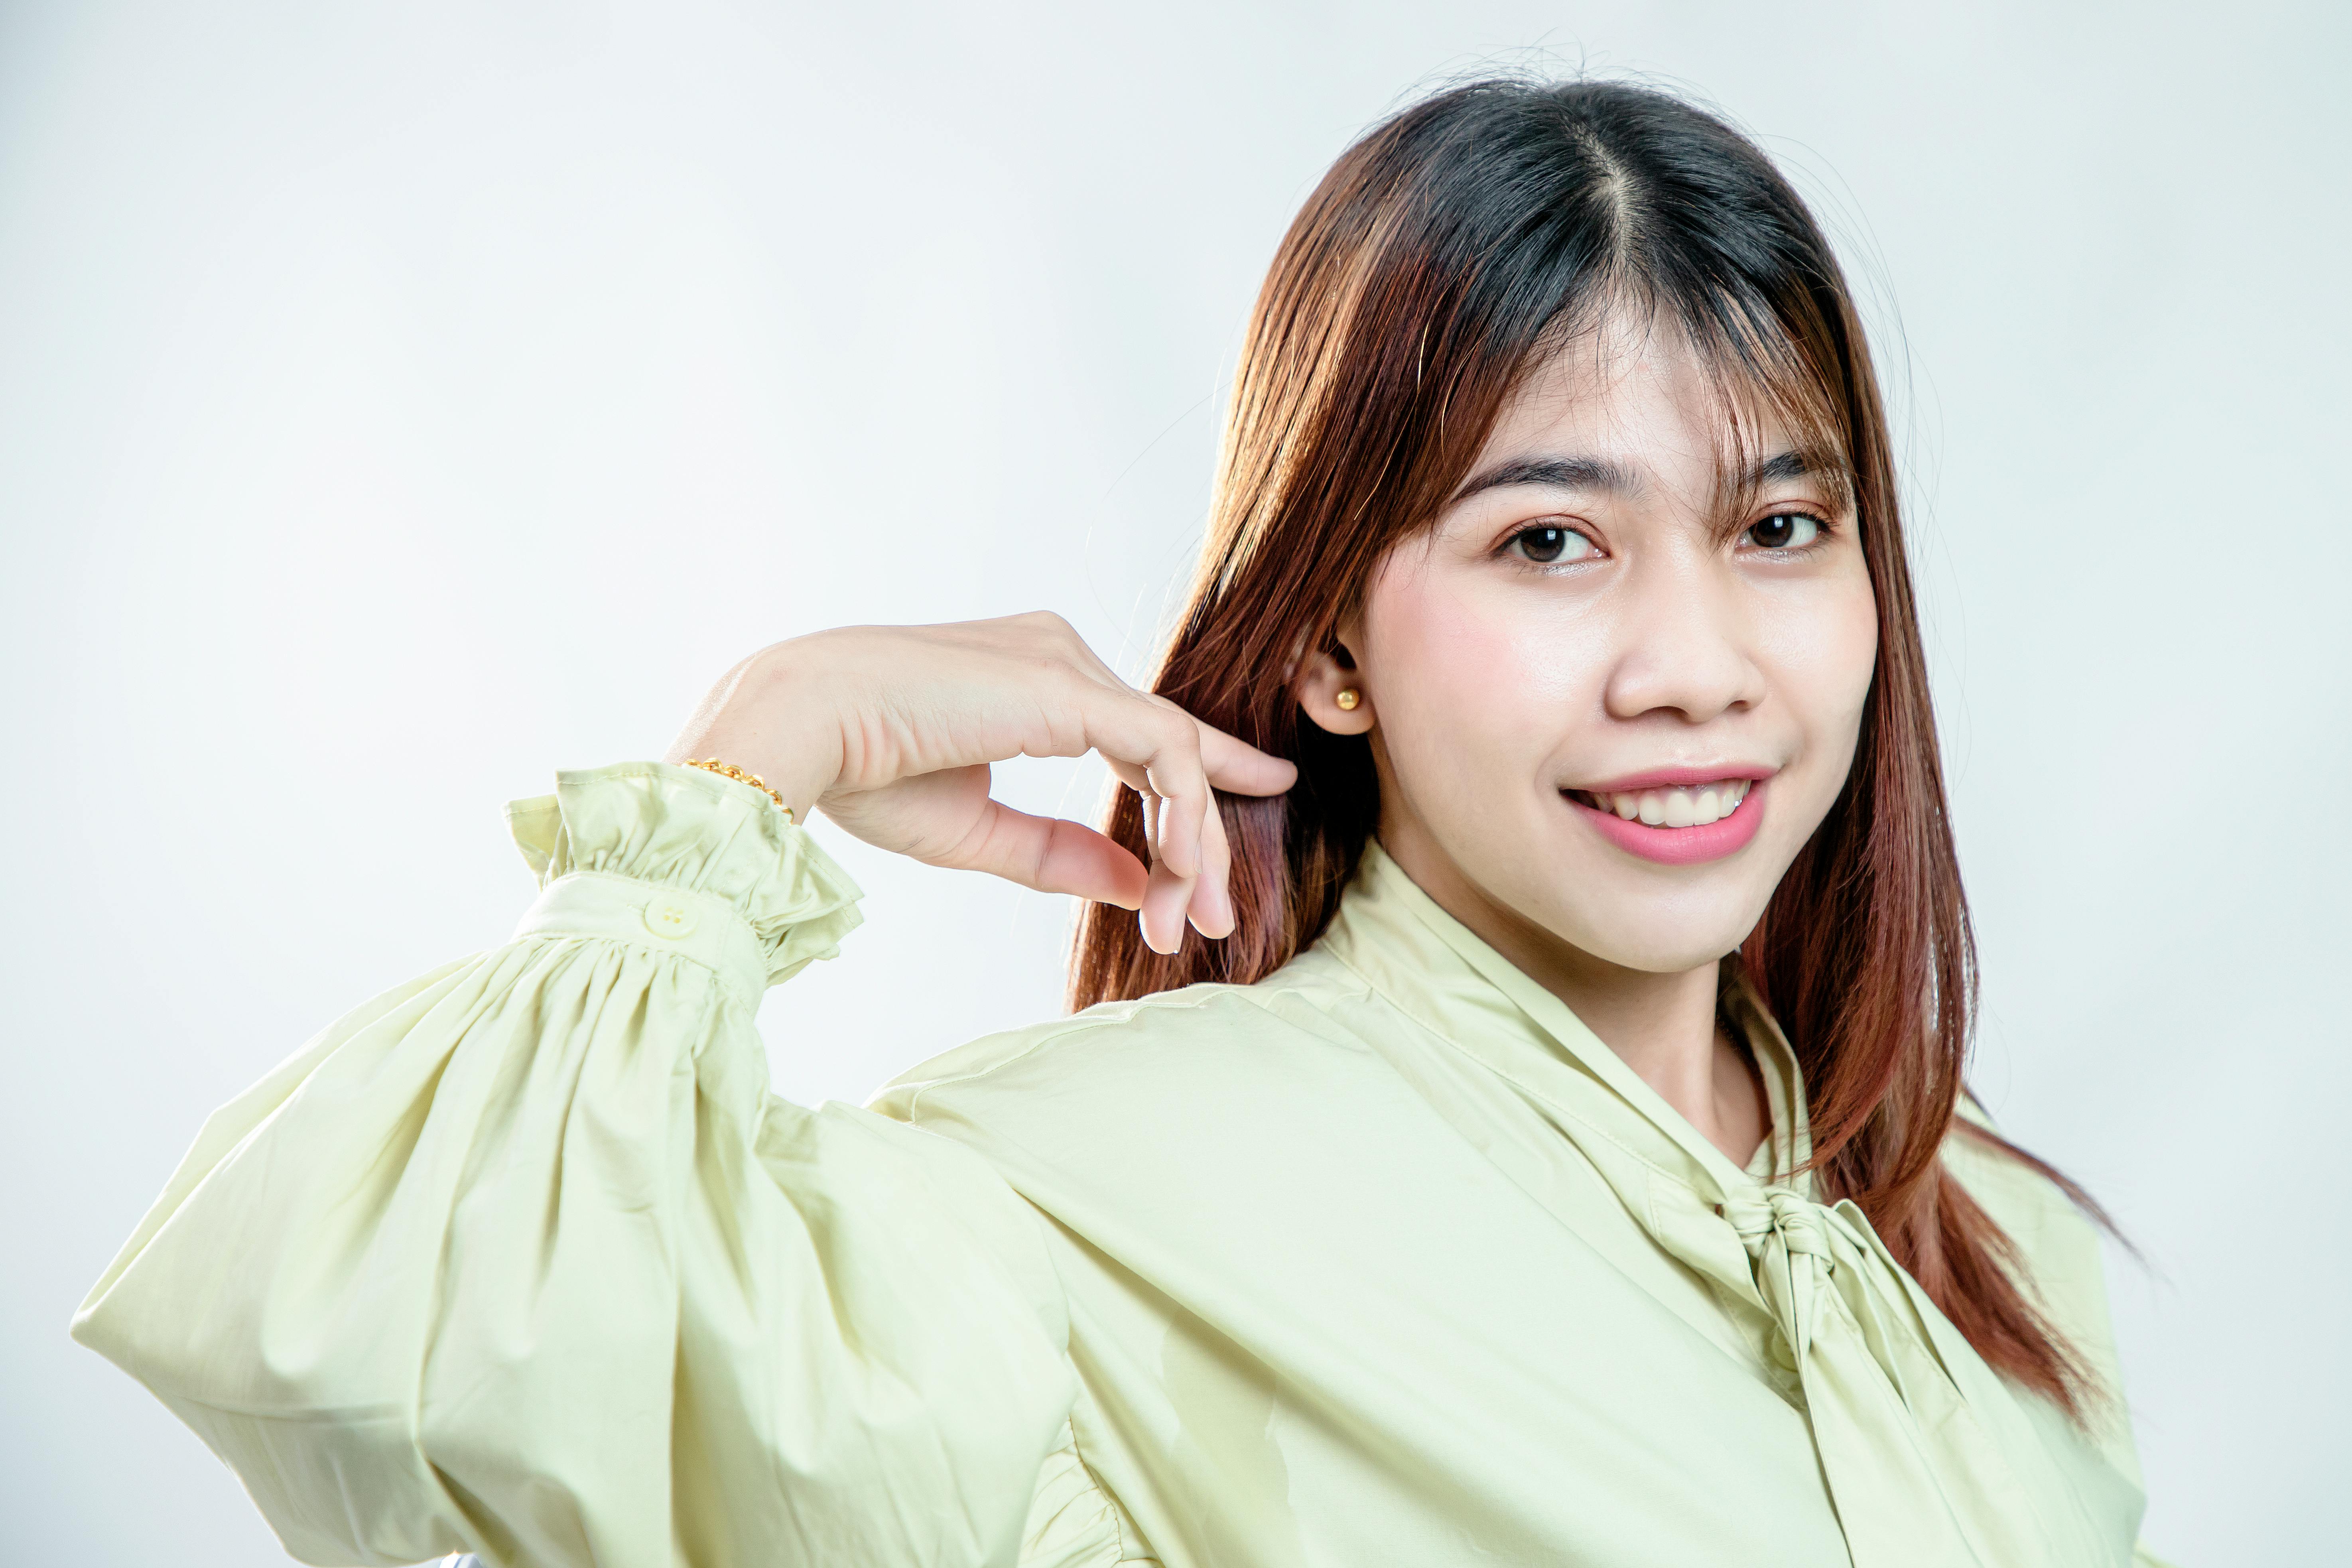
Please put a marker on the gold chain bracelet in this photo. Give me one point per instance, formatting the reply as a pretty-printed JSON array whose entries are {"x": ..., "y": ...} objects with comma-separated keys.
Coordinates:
[{"x": 729, "y": 770}]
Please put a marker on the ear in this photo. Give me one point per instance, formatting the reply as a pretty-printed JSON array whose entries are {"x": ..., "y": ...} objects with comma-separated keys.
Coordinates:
[{"x": 1321, "y": 678}]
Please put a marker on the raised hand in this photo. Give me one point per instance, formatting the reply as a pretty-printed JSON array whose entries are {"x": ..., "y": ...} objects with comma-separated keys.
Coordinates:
[{"x": 889, "y": 731}]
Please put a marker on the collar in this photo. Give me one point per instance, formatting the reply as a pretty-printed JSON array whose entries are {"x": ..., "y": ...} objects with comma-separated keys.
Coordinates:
[
  {"x": 1929, "y": 1457},
  {"x": 1448, "y": 979}
]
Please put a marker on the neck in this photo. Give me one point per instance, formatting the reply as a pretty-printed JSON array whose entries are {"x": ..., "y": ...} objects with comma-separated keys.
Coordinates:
[{"x": 1663, "y": 1025}]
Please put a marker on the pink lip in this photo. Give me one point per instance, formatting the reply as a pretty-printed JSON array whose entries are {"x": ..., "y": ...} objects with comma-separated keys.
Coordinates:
[{"x": 1678, "y": 846}]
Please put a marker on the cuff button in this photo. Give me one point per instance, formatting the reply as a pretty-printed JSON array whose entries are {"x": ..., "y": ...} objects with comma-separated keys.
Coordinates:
[{"x": 667, "y": 915}]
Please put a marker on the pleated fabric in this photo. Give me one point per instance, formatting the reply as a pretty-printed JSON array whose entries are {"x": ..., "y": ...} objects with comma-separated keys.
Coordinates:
[{"x": 1385, "y": 1259}]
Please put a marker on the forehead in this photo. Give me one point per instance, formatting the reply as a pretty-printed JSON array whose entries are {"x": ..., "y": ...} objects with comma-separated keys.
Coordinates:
[{"x": 1637, "y": 393}]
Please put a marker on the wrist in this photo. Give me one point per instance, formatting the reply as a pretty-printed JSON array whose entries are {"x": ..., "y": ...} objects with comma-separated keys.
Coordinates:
[{"x": 766, "y": 717}]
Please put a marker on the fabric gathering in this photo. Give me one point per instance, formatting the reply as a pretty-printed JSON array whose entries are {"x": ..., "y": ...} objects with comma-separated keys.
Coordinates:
[{"x": 1385, "y": 1257}]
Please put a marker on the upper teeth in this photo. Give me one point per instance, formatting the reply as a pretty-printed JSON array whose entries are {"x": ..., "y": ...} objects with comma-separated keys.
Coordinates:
[{"x": 1680, "y": 807}]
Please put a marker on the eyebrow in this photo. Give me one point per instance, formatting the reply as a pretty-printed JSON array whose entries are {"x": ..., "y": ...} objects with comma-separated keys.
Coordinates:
[
  {"x": 1601, "y": 474},
  {"x": 1559, "y": 473},
  {"x": 1778, "y": 470}
]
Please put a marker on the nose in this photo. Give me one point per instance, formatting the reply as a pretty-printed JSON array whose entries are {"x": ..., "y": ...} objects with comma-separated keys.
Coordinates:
[{"x": 1684, "y": 644}]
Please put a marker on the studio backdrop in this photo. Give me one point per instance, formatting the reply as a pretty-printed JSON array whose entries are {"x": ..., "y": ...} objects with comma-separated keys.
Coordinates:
[{"x": 400, "y": 402}]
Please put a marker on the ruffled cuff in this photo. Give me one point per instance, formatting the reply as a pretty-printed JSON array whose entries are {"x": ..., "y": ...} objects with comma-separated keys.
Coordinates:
[{"x": 691, "y": 830}]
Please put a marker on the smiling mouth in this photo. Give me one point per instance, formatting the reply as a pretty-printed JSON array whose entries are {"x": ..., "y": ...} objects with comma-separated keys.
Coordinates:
[{"x": 1684, "y": 805}]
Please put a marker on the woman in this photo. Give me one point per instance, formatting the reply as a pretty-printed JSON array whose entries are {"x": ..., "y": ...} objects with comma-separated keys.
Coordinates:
[{"x": 1522, "y": 1121}]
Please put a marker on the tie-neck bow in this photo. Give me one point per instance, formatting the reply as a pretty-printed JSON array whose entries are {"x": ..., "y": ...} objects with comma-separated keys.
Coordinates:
[{"x": 1930, "y": 1456}]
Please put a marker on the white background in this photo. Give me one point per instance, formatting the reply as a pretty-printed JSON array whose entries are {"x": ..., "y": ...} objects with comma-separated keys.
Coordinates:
[{"x": 400, "y": 402}]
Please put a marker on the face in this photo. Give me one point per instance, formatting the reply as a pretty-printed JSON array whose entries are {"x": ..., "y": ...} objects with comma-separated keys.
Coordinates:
[{"x": 1616, "y": 688}]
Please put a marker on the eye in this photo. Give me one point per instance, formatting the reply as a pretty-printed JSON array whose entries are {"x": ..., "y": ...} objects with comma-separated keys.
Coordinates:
[
  {"x": 1548, "y": 545},
  {"x": 1785, "y": 531}
]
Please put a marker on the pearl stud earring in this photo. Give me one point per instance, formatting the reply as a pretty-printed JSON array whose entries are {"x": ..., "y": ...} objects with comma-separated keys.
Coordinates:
[{"x": 1347, "y": 700}]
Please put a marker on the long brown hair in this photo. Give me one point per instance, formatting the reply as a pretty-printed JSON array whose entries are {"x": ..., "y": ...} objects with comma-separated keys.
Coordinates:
[{"x": 1447, "y": 252}]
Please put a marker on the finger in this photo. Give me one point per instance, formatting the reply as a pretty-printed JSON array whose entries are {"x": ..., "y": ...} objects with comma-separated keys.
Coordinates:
[
  {"x": 1235, "y": 766},
  {"x": 1169, "y": 899},
  {"x": 1169, "y": 894},
  {"x": 1186, "y": 803},
  {"x": 1232, "y": 763},
  {"x": 1049, "y": 854},
  {"x": 1078, "y": 652},
  {"x": 1166, "y": 899},
  {"x": 1212, "y": 910},
  {"x": 1164, "y": 745}
]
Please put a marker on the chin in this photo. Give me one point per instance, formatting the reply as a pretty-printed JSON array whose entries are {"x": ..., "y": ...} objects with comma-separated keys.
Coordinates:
[
  {"x": 1675, "y": 949},
  {"x": 1623, "y": 917}
]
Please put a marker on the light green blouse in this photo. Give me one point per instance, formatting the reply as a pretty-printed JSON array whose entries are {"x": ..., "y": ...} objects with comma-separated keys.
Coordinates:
[{"x": 1385, "y": 1259}]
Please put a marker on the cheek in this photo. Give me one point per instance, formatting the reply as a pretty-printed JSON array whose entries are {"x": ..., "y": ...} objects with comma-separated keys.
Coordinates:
[
  {"x": 1471, "y": 680},
  {"x": 1824, "y": 655},
  {"x": 1854, "y": 655}
]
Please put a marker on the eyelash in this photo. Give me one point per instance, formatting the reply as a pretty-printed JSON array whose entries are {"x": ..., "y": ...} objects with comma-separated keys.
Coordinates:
[
  {"x": 1544, "y": 566},
  {"x": 1823, "y": 530}
]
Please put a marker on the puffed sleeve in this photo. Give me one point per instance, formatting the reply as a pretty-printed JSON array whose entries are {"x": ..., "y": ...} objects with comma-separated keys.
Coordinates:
[{"x": 523, "y": 1258}]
